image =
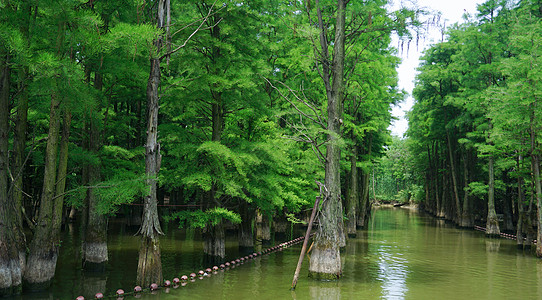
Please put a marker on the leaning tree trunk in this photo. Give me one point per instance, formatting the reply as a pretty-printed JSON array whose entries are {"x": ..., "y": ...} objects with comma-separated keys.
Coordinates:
[
  {"x": 41, "y": 263},
  {"x": 325, "y": 260}
]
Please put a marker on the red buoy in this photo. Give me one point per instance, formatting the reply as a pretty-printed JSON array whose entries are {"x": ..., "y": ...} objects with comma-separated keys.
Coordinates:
[
  {"x": 193, "y": 275},
  {"x": 120, "y": 292},
  {"x": 222, "y": 266},
  {"x": 137, "y": 289},
  {"x": 80, "y": 298},
  {"x": 99, "y": 296},
  {"x": 215, "y": 268},
  {"x": 154, "y": 286},
  {"x": 167, "y": 283},
  {"x": 208, "y": 270},
  {"x": 176, "y": 280},
  {"x": 184, "y": 278}
]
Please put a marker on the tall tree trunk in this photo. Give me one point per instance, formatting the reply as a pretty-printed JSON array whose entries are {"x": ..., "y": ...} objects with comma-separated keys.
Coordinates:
[
  {"x": 246, "y": 238},
  {"x": 263, "y": 228},
  {"x": 535, "y": 159},
  {"x": 353, "y": 194},
  {"x": 521, "y": 206},
  {"x": 466, "y": 214},
  {"x": 149, "y": 268},
  {"x": 41, "y": 263},
  {"x": 325, "y": 260},
  {"x": 454, "y": 179},
  {"x": 215, "y": 240},
  {"x": 95, "y": 230},
  {"x": 436, "y": 181},
  {"x": 444, "y": 185},
  {"x": 492, "y": 224},
  {"x": 10, "y": 266}
]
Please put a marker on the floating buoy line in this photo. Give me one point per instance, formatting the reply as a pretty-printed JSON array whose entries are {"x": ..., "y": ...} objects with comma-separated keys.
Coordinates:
[
  {"x": 185, "y": 279},
  {"x": 502, "y": 234}
]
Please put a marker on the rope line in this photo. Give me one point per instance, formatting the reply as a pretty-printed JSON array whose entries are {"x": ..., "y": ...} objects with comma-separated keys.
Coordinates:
[
  {"x": 185, "y": 279},
  {"x": 502, "y": 234}
]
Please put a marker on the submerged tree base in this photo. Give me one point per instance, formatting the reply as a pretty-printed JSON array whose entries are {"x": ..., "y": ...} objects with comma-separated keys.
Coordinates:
[
  {"x": 149, "y": 269},
  {"x": 324, "y": 276},
  {"x": 492, "y": 227},
  {"x": 325, "y": 262}
]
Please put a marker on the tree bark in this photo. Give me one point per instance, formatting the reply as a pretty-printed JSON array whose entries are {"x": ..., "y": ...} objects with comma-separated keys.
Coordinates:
[
  {"x": 466, "y": 214},
  {"x": 325, "y": 260},
  {"x": 492, "y": 224},
  {"x": 95, "y": 231},
  {"x": 454, "y": 179},
  {"x": 10, "y": 264},
  {"x": 149, "y": 268},
  {"x": 41, "y": 263},
  {"x": 246, "y": 238},
  {"x": 521, "y": 206},
  {"x": 353, "y": 194}
]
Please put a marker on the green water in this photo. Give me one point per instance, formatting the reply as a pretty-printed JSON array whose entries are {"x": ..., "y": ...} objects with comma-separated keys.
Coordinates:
[{"x": 403, "y": 255}]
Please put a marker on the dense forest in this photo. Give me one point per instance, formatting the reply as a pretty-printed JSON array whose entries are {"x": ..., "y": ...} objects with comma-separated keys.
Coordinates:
[
  {"x": 471, "y": 154},
  {"x": 237, "y": 112}
]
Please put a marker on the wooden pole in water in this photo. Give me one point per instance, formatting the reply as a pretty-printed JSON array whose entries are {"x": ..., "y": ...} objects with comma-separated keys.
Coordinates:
[{"x": 305, "y": 242}]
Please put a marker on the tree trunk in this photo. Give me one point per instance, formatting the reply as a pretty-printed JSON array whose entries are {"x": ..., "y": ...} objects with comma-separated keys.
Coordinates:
[
  {"x": 466, "y": 214},
  {"x": 353, "y": 194},
  {"x": 215, "y": 245},
  {"x": 325, "y": 260},
  {"x": 10, "y": 264},
  {"x": 436, "y": 182},
  {"x": 95, "y": 234},
  {"x": 41, "y": 262},
  {"x": 454, "y": 179},
  {"x": 521, "y": 205},
  {"x": 492, "y": 224},
  {"x": 263, "y": 230},
  {"x": 246, "y": 238},
  {"x": 149, "y": 268},
  {"x": 535, "y": 159}
]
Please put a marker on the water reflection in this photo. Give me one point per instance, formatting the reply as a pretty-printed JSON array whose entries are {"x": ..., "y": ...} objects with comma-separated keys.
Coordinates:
[
  {"x": 402, "y": 255},
  {"x": 325, "y": 291},
  {"x": 393, "y": 271}
]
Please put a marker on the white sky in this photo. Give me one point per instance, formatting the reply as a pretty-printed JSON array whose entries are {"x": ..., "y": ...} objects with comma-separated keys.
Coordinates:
[{"x": 452, "y": 12}]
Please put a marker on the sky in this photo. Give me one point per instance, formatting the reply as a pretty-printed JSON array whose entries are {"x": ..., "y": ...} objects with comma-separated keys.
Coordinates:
[{"x": 452, "y": 12}]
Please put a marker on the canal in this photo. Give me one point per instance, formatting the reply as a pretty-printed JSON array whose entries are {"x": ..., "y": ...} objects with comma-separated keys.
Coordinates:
[{"x": 402, "y": 255}]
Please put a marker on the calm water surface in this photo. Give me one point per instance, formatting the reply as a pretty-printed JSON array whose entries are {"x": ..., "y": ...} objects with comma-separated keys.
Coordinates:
[{"x": 402, "y": 255}]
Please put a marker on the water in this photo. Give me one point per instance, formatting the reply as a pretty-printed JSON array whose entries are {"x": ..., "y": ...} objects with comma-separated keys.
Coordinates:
[{"x": 403, "y": 255}]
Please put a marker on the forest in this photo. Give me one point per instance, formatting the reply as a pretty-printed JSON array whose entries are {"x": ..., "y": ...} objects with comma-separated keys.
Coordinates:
[
  {"x": 214, "y": 115},
  {"x": 472, "y": 152}
]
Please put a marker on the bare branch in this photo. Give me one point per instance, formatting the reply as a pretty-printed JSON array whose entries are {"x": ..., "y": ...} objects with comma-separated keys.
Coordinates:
[
  {"x": 203, "y": 21},
  {"x": 316, "y": 118}
]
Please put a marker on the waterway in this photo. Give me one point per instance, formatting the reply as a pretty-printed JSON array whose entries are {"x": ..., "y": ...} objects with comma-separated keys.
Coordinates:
[{"x": 402, "y": 255}]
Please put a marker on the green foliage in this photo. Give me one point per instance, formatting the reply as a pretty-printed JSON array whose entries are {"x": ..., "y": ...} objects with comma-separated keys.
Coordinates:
[{"x": 201, "y": 219}]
